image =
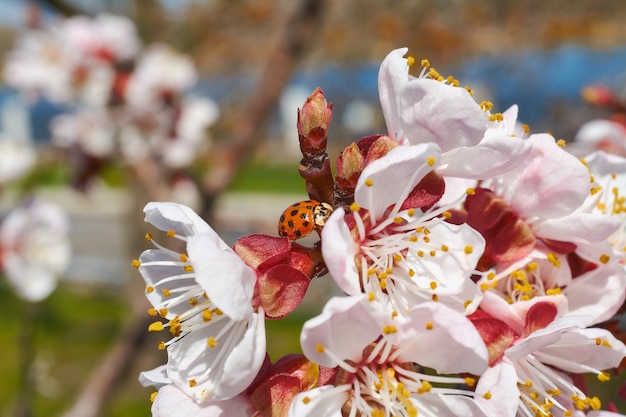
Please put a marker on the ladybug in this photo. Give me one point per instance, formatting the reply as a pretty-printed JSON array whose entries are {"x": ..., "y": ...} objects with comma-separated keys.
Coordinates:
[{"x": 301, "y": 218}]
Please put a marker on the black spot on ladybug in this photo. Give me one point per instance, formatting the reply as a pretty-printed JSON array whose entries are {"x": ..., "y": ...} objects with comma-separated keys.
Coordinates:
[
  {"x": 290, "y": 224},
  {"x": 297, "y": 233},
  {"x": 305, "y": 224},
  {"x": 293, "y": 213},
  {"x": 282, "y": 219}
]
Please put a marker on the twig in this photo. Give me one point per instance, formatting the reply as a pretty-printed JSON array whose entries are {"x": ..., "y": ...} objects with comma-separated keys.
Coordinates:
[{"x": 299, "y": 34}]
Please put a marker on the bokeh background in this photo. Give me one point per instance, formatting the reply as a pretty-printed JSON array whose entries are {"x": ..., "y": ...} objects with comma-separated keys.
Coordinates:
[{"x": 537, "y": 54}]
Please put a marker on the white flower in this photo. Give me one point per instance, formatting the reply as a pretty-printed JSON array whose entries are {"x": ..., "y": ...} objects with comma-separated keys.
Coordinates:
[
  {"x": 205, "y": 293},
  {"x": 16, "y": 158},
  {"x": 401, "y": 256},
  {"x": 378, "y": 365},
  {"x": 34, "y": 248}
]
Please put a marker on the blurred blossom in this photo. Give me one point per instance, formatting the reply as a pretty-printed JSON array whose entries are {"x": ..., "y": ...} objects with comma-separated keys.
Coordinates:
[
  {"x": 16, "y": 158},
  {"x": 599, "y": 134},
  {"x": 38, "y": 64},
  {"x": 89, "y": 129},
  {"x": 161, "y": 74},
  {"x": 34, "y": 248}
]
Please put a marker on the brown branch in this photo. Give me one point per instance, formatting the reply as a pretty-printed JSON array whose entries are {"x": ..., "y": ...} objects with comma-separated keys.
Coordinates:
[{"x": 299, "y": 34}]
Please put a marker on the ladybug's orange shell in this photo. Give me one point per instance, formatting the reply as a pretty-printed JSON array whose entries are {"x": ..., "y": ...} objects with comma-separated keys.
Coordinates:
[{"x": 297, "y": 220}]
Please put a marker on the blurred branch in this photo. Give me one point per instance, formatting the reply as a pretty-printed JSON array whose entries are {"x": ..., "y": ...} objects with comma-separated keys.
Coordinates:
[
  {"x": 63, "y": 7},
  {"x": 297, "y": 36}
]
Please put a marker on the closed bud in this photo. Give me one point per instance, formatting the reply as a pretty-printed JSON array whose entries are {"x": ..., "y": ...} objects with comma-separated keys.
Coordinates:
[
  {"x": 313, "y": 122},
  {"x": 380, "y": 148}
]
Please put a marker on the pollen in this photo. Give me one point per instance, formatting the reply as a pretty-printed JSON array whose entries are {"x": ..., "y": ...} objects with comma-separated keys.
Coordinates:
[
  {"x": 470, "y": 191},
  {"x": 149, "y": 289},
  {"x": 604, "y": 258},
  {"x": 468, "y": 249},
  {"x": 435, "y": 298},
  {"x": 604, "y": 376},
  {"x": 446, "y": 214},
  {"x": 157, "y": 326},
  {"x": 306, "y": 400},
  {"x": 425, "y": 63},
  {"x": 207, "y": 315},
  {"x": 188, "y": 268},
  {"x": 148, "y": 236},
  {"x": 166, "y": 292},
  {"x": 410, "y": 61},
  {"x": 467, "y": 303},
  {"x": 411, "y": 273},
  {"x": 153, "y": 396},
  {"x": 429, "y": 325},
  {"x": 171, "y": 233},
  {"x": 211, "y": 342},
  {"x": 496, "y": 117},
  {"x": 444, "y": 248},
  {"x": 163, "y": 312},
  {"x": 354, "y": 207},
  {"x": 433, "y": 285},
  {"x": 320, "y": 348},
  {"x": 552, "y": 258},
  {"x": 398, "y": 220},
  {"x": 486, "y": 106},
  {"x": 389, "y": 329},
  {"x": 136, "y": 263},
  {"x": 192, "y": 383},
  {"x": 487, "y": 395},
  {"x": 369, "y": 182},
  {"x": 411, "y": 212},
  {"x": 430, "y": 161},
  {"x": 426, "y": 387},
  {"x": 183, "y": 257},
  {"x": 470, "y": 381},
  {"x": 161, "y": 345},
  {"x": 371, "y": 296},
  {"x": 484, "y": 286},
  {"x": 561, "y": 143}
]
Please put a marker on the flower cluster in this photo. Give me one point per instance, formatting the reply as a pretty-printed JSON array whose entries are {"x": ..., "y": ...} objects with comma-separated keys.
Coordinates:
[
  {"x": 119, "y": 98},
  {"x": 477, "y": 262}
]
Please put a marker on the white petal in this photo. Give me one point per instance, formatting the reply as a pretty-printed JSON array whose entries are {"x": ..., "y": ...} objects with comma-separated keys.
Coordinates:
[
  {"x": 172, "y": 402},
  {"x": 550, "y": 184},
  {"x": 542, "y": 338},
  {"x": 156, "y": 377},
  {"x": 501, "y": 382},
  {"x": 578, "y": 348},
  {"x": 223, "y": 371},
  {"x": 392, "y": 76},
  {"x": 493, "y": 156},
  {"x": 431, "y": 111},
  {"x": 172, "y": 216},
  {"x": 334, "y": 329},
  {"x": 438, "y": 337},
  {"x": 227, "y": 280},
  {"x": 598, "y": 293},
  {"x": 324, "y": 401},
  {"x": 338, "y": 250},
  {"x": 394, "y": 176},
  {"x": 577, "y": 227}
]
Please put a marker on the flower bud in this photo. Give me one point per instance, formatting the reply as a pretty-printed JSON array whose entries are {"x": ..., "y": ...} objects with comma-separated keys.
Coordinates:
[
  {"x": 313, "y": 122},
  {"x": 380, "y": 148}
]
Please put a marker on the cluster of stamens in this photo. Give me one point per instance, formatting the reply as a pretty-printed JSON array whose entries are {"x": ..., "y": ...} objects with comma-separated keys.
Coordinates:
[{"x": 380, "y": 385}]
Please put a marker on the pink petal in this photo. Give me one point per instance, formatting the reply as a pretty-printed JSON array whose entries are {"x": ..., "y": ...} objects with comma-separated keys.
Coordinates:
[
  {"x": 501, "y": 382},
  {"x": 171, "y": 216}
]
